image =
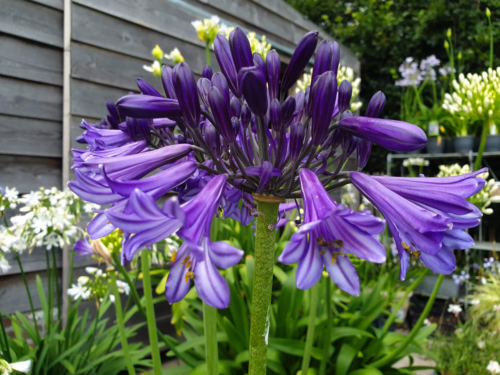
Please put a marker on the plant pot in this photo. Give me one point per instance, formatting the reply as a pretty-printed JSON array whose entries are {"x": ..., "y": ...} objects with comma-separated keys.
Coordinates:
[
  {"x": 449, "y": 147},
  {"x": 464, "y": 144},
  {"x": 435, "y": 145},
  {"x": 492, "y": 143}
]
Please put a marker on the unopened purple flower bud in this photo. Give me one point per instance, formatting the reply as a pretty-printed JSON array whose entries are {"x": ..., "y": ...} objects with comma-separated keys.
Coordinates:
[
  {"x": 204, "y": 85},
  {"x": 167, "y": 83},
  {"x": 345, "y": 93},
  {"x": 212, "y": 137},
  {"x": 300, "y": 59},
  {"x": 308, "y": 101},
  {"x": 138, "y": 128},
  {"x": 364, "y": 150},
  {"x": 323, "y": 60},
  {"x": 219, "y": 81},
  {"x": 221, "y": 114},
  {"x": 235, "y": 107},
  {"x": 207, "y": 72},
  {"x": 187, "y": 94},
  {"x": 240, "y": 49},
  {"x": 273, "y": 65},
  {"x": 296, "y": 139},
  {"x": 259, "y": 62},
  {"x": 235, "y": 122},
  {"x": 324, "y": 93},
  {"x": 275, "y": 115},
  {"x": 226, "y": 63},
  {"x": 336, "y": 57},
  {"x": 246, "y": 115},
  {"x": 299, "y": 106},
  {"x": 114, "y": 117},
  {"x": 253, "y": 86},
  {"x": 146, "y": 106},
  {"x": 390, "y": 134},
  {"x": 287, "y": 111},
  {"x": 147, "y": 89},
  {"x": 376, "y": 105}
]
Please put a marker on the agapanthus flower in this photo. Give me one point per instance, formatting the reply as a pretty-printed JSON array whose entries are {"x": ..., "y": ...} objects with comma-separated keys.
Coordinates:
[
  {"x": 21, "y": 366},
  {"x": 217, "y": 145}
]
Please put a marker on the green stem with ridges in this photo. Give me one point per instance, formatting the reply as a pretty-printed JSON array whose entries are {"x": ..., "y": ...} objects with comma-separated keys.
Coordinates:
[
  {"x": 23, "y": 275},
  {"x": 56, "y": 282},
  {"x": 328, "y": 295},
  {"x": 388, "y": 358},
  {"x": 313, "y": 308},
  {"x": 484, "y": 135},
  {"x": 150, "y": 313},
  {"x": 121, "y": 324},
  {"x": 207, "y": 51},
  {"x": 211, "y": 350},
  {"x": 263, "y": 283}
]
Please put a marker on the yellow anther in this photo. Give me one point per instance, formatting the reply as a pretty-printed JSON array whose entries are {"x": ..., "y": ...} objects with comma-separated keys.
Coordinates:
[
  {"x": 417, "y": 253},
  {"x": 174, "y": 255},
  {"x": 334, "y": 257},
  {"x": 322, "y": 251},
  {"x": 188, "y": 276},
  {"x": 184, "y": 261},
  {"x": 405, "y": 246},
  {"x": 188, "y": 264},
  {"x": 338, "y": 243}
]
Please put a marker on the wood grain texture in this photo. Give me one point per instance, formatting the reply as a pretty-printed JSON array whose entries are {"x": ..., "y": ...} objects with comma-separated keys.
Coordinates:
[
  {"x": 109, "y": 68},
  {"x": 28, "y": 60},
  {"x": 30, "y": 99},
  {"x": 28, "y": 173},
  {"x": 114, "y": 34},
  {"x": 32, "y": 21},
  {"x": 22, "y": 136},
  {"x": 89, "y": 99}
]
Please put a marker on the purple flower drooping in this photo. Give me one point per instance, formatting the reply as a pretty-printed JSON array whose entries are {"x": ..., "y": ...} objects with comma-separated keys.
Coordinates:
[{"x": 328, "y": 234}]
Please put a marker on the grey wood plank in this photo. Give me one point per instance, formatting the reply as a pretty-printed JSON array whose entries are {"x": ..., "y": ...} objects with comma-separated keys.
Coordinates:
[
  {"x": 157, "y": 15},
  {"x": 57, "y": 4},
  {"x": 32, "y": 61},
  {"x": 28, "y": 173},
  {"x": 32, "y": 21},
  {"x": 22, "y": 136},
  {"x": 89, "y": 99},
  {"x": 30, "y": 99},
  {"x": 118, "y": 35},
  {"x": 109, "y": 68}
]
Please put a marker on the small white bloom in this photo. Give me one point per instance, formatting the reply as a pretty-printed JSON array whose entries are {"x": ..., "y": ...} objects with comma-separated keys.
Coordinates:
[
  {"x": 24, "y": 366},
  {"x": 496, "y": 308},
  {"x": 112, "y": 298},
  {"x": 4, "y": 265},
  {"x": 83, "y": 280},
  {"x": 79, "y": 291},
  {"x": 475, "y": 302},
  {"x": 91, "y": 270},
  {"x": 481, "y": 344},
  {"x": 427, "y": 322},
  {"x": 11, "y": 194},
  {"x": 455, "y": 309},
  {"x": 493, "y": 367},
  {"x": 123, "y": 287}
]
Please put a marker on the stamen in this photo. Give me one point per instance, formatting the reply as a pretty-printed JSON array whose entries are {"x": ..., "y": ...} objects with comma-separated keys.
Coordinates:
[
  {"x": 120, "y": 231},
  {"x": 322, "y": 251},
  {"x": 338, "y": 244},
  {"x": 417, "y": 253},
  {"x": 188, "y": 276},
  {"x": 186, "y": 259},
  {"x": 188, "y": 264},
  {"x": 320, "y": 240},
  {"x": 334, "y": 257},
  {"x": 406, "y": 247},
  {"x": 174, "y": 255}
]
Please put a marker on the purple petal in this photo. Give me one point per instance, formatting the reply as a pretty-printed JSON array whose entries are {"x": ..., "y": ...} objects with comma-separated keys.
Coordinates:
[
  {"x": 176, "y": 287},
  {"x": 146, "y": 106},
  {"x": 310, "y": 267},
  {"x": 224, "y": 255},
  {"x": 210, "y": 285},
  {"x": 443, "y": 262},
  {"x": 343, "y": 273}
]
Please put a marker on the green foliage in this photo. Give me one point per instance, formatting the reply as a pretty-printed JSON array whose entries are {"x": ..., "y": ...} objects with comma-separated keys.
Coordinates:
[
  {"x": 383, "y": 33},
  {"x": 86, "y": 346}
]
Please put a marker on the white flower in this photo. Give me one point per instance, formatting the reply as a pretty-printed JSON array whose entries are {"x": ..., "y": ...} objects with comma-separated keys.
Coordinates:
[
  {"x": 91, "y": 270},
  {"x": 83, "y": 280},
  {"x": 78, "y": 291},
  {"x": 455, "y": 309},
  {"x": 481, "y": 344},
  {"x": 51, "y": 241},
  {"x": 11, "y": 194},
  {"x": 154, "y": 68},
  {"x": 496, "y": 308},
  {"x": 4, "y": 265},
  {"x": 123, "y": 287},
  {"x": 493, "y": 367},
  {"x": 475, "y": 302},
  {"x": 112, "y": 298},
  {"x": 8, "y": 368}
]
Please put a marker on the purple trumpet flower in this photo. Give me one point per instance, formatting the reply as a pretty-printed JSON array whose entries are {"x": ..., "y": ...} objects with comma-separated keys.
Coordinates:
[
  {"x": 147, "y": 89},
  {"x": 226, "y": 63},
  {"x": 425, "y": 215},
  {"x": 186, "y": 91},
  {"x": 273, "y": 67},
  {"x": 265, "y": 172},
  {"x": 146, "y": 106},
  {"x": 83, "y": 248},
  {"x": 390, "y": 134},
  {"x": 328, "y": 234}
]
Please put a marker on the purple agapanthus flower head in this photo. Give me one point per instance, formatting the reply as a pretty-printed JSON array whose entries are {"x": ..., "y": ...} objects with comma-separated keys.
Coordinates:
[
  {"x": 216, "y": 145},
  {"x": 330, "y": 233}
]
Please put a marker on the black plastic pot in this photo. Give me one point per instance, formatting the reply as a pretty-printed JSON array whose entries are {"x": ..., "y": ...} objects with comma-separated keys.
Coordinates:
[
  {"x": 435, "y": 145},
  {"x": 464, "y": 144},
  {"x": 492, "y": 143}
]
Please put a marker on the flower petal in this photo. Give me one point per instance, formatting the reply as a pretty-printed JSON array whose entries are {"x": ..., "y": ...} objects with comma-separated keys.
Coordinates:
[{"x": 343, "y": 273}]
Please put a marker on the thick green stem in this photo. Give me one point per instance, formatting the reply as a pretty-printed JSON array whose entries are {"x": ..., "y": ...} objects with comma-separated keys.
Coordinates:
[
  {"x": 402, "y": 301},
  {"x": 121, "y": 324},
  {"x": 23, "y": 275},
  {"x": 150, "y": 313},
  {"x": 56, "y": 282},
  {"x": 388, "y": 358},
  {"x": 207, "y": 51},
  {"x": 484, "y": 135},
  {"x": 328, "y": 294},
  {"x": 313, "y": 308},
  {"x": 211, "y": 350},
  {"x": 263, "y": 284},
  {"x": 50, "y": 308}
]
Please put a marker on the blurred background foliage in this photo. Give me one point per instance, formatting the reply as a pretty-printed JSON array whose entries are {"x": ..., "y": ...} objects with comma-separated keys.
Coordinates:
[{"x": 383, "y": 33}]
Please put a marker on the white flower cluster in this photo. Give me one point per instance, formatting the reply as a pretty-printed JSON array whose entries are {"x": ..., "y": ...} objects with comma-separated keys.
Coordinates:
[
  {"x": 419, "y": 162},
  {"x": 209, "y": 28},
  {"x": 454, "y": 309},
  {"x": 485, "y": 197},
  {"x": 344, "y": 73},
  {"x": 476, "y": 97},
  {"x": 259, "y": 46},
  {"x": 493, "y": 367},
  {"x": 48, "y": 218},
  {"x": 413, "y": 75}
]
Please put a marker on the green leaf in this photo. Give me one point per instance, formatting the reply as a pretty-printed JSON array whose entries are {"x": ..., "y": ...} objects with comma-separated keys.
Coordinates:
[
  {"x": 366, "y": 371},
  {"x": 224, "y": 368},
  {"x": 294, "y": 347},
  {"x": 68, "y": 366},
  {"x": 198, "y": 341},
  {"x": 279, "y": 274},
  {"x": 339, "y": 332},
  {"x": 179, "y": 370},
  {"x": 235, "y": 337},
  {"x": 345, "y": 358}
]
